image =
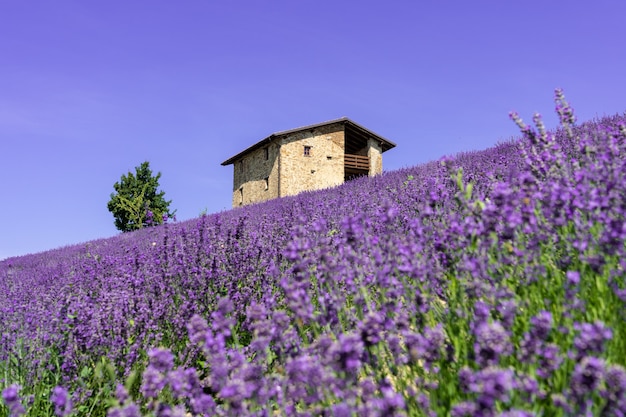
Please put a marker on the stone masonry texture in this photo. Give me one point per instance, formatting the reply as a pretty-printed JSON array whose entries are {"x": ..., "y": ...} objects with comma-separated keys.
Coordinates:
[{"x": 283, "y": 167}]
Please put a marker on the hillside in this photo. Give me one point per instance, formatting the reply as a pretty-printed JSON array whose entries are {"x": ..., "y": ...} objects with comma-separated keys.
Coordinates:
[{"x": 488, "y": 283}]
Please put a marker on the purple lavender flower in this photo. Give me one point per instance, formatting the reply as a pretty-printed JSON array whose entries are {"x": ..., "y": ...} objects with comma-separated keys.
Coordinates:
[
  {"x": 466, "y": 379},
  {"x": 367, "y": 387},
  {"x": 530, "y": 387},
  {"x": 427, "y": 347},
  {"x": 615, "y": 393},
  {"x": 371, "y": 329},
  {"x": 62, "y": 401},
  {"x": 197, "y": 328},
  {"x": 219, "y": 370},
  {"x": 130, "y": 410},
  {"x": 183, "y": 382},
  {"x": 352, "y": 228},
  {"x": 341, "y": 410},
  {"x": 516, "y": 413},
  {"x": 549, "y": 360},
  {"x": 534, "y": 340},
  {"x": 542, "y": 325},
  {"x": 153, "y": 382},
  {"x": 203, "y": 404},
  {"x": 490, "y": 386},
  {"x": 165, "y": 410},
  {"x": 161, "y": 360},
  {"x": 565, "y": 111},
  {"x": 391, "y": 403},
  {"x": 221, "y": 322},
  {"x": 613, "y": 236},
  {"x": 560, "y": 401},
  {"x": 586, "y": 378},
  {"x": 494, "y": 384},
  {"x": 508, "y": 311},
  {"x": 573, "y": 277},
  {"x": 303, "y": 369},
  {"x": 464, "y": 409},
  {"x": 492, "y": 341},
  {"x": 347, "y": 353},
  {"x": 591, "y": 338},
  {"x": 121, "y": 394},
  {"x": 620, "y": 293},
  {"x": 225, "y": 306},
  {"x": 481, "y": 312},
  {"x": 11, "y": 398}
]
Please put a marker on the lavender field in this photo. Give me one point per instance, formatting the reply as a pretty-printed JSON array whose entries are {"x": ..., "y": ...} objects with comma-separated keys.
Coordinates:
[{"x": 491, "y": 283}]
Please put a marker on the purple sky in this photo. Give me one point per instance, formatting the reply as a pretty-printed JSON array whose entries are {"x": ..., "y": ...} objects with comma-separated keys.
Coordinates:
[{"x": 89, "y": 90}]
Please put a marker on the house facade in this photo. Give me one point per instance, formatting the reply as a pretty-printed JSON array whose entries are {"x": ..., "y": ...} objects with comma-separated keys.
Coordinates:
[{"x": 308, "y": 158}]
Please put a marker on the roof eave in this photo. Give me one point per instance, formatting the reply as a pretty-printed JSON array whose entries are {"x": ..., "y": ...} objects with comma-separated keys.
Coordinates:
[
  {"x": 389, "y": 144},
  {"x": 249, "y": 149},
  {"x": 385, "y": 143}
]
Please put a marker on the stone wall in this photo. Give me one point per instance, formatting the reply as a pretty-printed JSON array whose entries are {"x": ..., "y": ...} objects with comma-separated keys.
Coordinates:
[
  {"x": 283, "y": 168},
  {"x": 256, "y": 176},
  {"x": 322, "y": 168},
  {"x": 375, "y": 153}
]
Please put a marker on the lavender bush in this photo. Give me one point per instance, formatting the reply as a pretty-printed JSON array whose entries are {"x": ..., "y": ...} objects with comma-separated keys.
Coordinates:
[{"x": 489, "y": 284}]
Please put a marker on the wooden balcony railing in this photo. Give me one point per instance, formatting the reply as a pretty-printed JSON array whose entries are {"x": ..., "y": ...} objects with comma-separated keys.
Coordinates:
[{"x": 356, "y": 161}]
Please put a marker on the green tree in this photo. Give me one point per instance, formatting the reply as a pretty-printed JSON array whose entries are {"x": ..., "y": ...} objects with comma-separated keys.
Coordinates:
[{"x": 136, "y": 202}]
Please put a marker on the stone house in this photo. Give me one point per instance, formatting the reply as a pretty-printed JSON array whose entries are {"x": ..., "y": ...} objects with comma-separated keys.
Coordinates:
[{"x": 307, "y": 158}]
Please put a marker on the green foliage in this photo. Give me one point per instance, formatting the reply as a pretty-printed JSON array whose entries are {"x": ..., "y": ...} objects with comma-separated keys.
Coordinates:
[{"x": 136, "y": 202}]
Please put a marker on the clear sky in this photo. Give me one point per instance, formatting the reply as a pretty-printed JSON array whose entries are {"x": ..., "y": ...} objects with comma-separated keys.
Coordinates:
[{"x": 90, "y": 89}]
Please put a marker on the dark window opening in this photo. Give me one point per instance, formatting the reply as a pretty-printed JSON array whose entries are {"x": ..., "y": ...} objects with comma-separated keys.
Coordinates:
[
  {"x": 267, "y": 153},
  {"x": 307, "y": 151}
]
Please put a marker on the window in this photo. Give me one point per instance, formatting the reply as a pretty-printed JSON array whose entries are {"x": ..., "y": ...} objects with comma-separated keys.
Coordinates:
[
  {"x": 267, "y": 183},
  {"x": 307, "y": 151},
  {"x": 267, "y": 153}
]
